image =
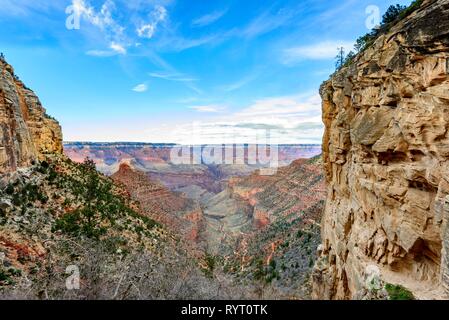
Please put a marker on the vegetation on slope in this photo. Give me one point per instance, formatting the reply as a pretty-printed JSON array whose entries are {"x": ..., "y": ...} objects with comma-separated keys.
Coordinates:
[
  {"x": 278, "y": 258},
  {"x": 58, "y": 215},
  {"x": 393, "y": 15},
  {"x": 396, "y": 292}
]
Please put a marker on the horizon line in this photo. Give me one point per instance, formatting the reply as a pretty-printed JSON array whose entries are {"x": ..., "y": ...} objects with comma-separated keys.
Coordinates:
[{"x": 177, "y": 144}]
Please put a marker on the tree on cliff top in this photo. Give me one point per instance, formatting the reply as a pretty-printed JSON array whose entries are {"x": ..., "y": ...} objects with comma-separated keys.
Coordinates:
[
  {"x": 340, "y": 58},
  {"x": 393, "y": 12}
]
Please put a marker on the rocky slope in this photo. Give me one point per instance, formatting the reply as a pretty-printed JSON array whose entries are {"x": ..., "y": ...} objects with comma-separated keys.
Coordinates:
[
  {"x": 252, "y": 203},
  {"x": 277, "y": 244},
  {"x": 26, "y": 131},
  {"x": 386, "y": 163},
  {"x": 178, "y": 213},
  {"x": 58, "y": 215}
]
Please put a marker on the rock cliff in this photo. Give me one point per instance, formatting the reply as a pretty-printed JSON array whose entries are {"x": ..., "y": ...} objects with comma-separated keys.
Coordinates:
[
  {"x": 26, "y": 131},
  {"x": 386, "y": 159}
]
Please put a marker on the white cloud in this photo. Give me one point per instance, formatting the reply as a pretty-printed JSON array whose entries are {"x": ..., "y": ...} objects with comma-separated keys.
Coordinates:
[
  {"x": 104, "y": 21},
  {"x": 118, "y": 48},
  {"x": 208, "y": 108},
  {"x": 242, "y": 82},
  {"x": 318, "y": 51},
  {"x": 209, "y": 18},
  {"x": 147, "y": 30},
  {"x": 101, "y": 53},
  {"x": 172, "y": 76},
  {"x": 288, "y": 119},
  {"x": 267, "y": 22},
  {"x": 140, "y": 88},
  {"x": 28, "y": 7}
]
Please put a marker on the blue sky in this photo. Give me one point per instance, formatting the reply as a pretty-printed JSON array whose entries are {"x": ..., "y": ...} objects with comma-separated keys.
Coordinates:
[{"x": 197, "y": 71}]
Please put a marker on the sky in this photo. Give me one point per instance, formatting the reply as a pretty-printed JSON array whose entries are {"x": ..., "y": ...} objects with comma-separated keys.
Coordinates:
[{"x": 182, "y": 71}]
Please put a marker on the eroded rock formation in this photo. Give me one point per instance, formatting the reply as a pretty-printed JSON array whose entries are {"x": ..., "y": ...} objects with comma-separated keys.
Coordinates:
[
  {"x": 386, "y": 158},
  {"x": 26, "y": 131},
  {"x": 173, "y": 210}
]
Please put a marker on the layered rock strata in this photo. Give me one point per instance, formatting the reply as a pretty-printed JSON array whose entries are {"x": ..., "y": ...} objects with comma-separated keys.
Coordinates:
[
  {"x": 26, "y": 131},
  {"x": 386, "y": 159}
]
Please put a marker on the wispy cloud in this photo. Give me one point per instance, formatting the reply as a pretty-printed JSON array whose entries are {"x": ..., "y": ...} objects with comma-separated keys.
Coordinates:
[
  {"x": 122, "y": 33},
  {"x": 169, "y": 73},
  {"x": 267, "y": 22},
  {"x": 28, "y": 7},
  {"x": 140, "y": 88},
  {"x": 208, "y": 108},
  {"x": 241, "y": 82},
  {"x": 288, "y": 119},
  {"x": 103, "y": 19},
  {"x": 177, "y": 77},
  {"x": 317, "y": 51},
  {"x": 118, "y": 48},
  {"x": 209, "y": 18},
  {"x": 115, "y": 49},
  {"x": 172, "y": 76},
  {"x": 157, "y": 16}
]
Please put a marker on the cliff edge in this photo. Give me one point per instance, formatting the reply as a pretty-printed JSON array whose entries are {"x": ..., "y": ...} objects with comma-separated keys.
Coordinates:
[
  {"x": 26, "y": 131},
  {"x": 386, "y": 160}
]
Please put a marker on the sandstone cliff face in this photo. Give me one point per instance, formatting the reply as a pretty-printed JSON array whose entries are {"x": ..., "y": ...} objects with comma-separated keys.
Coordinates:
[
  {"x": 26, "y": 132},
  {"x": 386, "y": 155}
]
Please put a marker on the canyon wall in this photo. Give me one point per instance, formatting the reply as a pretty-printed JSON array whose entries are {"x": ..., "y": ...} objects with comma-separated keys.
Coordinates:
[
  {"x": 26, "y": 131},
  {"x": 386, "y": 159}
]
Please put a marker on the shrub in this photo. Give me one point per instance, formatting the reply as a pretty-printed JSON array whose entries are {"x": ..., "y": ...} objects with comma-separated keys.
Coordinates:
[
  {"x": 211, "y": 262},
  {"x": 16, "y": 200},
  {"x": 68, "y": 223},
  {"x": 397, "y": 292},
  {"x": 3, "y": 276},
  {"x": 10, "y": 189}
]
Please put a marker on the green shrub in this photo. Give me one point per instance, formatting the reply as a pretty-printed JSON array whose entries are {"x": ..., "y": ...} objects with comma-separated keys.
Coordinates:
[
  {"x": 10, "y": 189},
  {"x": 397, "y": 292},
  {"x": 16, "y": 200},
  {"x": 211, "y": 262},
  {"x": 68, "y": 223},
  {"x": 3, "y": 276}
]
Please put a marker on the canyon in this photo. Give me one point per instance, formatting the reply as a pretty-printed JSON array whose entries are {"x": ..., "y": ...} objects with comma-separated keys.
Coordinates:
[
  {"x": 365, "y": 212},
  {"x": 186, "y": 230},
  {"x": 214, "y": 205}
]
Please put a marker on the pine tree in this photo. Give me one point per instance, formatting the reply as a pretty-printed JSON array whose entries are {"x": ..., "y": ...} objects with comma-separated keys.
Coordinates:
[
  {"x": 340, "y": 58},
  {"x": 392, "y": 13}
]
